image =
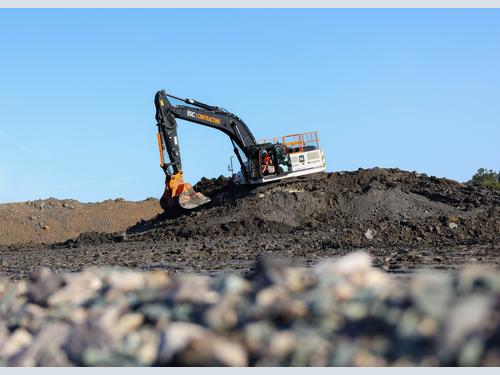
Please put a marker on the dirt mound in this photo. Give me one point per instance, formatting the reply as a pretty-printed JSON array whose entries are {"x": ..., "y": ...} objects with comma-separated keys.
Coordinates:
[
  {"x": 405, "y": 220},
  {"x": 52, "y": 220},
  {"x": 360, "y": 208}
]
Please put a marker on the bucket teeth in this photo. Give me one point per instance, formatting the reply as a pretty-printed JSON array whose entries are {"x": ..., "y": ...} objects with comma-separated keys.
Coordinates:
[
  {"x": 180, "y": 193},
  {"x": 190, "y": 199}
]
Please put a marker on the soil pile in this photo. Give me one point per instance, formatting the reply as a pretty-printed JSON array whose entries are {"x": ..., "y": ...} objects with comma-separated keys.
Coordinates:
[
  {"x": 362, "y": 208},
  {"x": 53, "y": 220},
  {"x": 405, "y": 220},
  {"x": 342, "y": 313}
]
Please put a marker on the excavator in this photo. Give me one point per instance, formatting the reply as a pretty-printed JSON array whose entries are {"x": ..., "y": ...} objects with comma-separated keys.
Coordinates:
[{"x": 261, "y": 161}]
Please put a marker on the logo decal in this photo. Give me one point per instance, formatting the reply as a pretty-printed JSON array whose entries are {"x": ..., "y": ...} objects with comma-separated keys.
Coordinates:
[{"x": 200, "y": 116}]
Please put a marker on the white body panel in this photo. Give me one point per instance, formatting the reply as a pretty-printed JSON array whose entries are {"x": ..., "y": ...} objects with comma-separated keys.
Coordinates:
[{"x": 303, "y": 163}]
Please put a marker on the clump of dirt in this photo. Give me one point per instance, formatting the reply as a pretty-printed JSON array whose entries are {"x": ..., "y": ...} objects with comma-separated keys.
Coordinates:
[{"x": 53, "y": 220}]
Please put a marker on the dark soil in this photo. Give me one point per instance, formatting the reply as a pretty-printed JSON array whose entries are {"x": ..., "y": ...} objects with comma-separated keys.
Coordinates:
[{"x": 406, "y": 220}]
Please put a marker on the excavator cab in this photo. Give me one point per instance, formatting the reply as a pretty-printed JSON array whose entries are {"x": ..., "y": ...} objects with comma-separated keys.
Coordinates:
[
  {"x": 291, "y": 155},
  {"x": 269, "y": 160}
]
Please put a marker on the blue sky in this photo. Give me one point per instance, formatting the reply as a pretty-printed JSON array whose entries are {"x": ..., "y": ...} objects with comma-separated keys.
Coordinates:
[{"x": 414, "y": 89}]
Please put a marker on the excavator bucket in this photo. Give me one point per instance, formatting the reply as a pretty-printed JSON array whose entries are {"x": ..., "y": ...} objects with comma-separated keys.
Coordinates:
[
  {"x": 180, "y": 193},
  {"x": 190, "y": 198}
]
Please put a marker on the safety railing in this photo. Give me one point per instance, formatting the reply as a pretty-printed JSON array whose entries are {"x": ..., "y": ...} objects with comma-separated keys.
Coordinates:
[
  {"x": 301, "y": 142},
  {"x": 294, "y": 143}
]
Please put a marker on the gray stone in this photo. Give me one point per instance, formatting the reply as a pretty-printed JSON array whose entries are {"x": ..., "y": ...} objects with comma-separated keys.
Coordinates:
[
  {"x": 79, "y": 289},
  {"x": 45, "y": 343},
  {"x": 19, "y": 340},
  {"x": 89, "y": 335},
  {"x": 341, "y": 312},
  {"x": 44, "y": 283},
  {"x": 176, "y": 338}
]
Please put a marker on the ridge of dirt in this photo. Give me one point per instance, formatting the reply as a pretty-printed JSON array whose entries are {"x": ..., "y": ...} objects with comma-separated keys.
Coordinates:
[
  {"x": 396, "y": 207},
  {"x": 53, "y": 220}
]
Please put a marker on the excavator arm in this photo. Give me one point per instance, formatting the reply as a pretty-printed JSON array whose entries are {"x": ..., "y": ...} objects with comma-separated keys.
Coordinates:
[
  {"x": 202, "y": 114},
  {"x": 176, "y": 190}
]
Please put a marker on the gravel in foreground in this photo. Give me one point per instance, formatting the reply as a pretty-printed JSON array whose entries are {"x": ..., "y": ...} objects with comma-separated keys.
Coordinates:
[{"x": 339, "y": 313}]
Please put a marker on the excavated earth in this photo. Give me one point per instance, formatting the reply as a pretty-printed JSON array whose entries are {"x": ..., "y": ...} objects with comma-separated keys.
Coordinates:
[
  {"x": 404, "y": 220},
  {"x": 55, "y": 220}
]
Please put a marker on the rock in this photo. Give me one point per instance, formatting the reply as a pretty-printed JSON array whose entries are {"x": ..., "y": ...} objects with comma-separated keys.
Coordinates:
[
  {"x": 271, "y": 295},
  {"x": 19, "y": 340},
  {"x": 311, "y": 350},
  {"x": 89, "y": 336},
  {"x": 128, "y": 323},
  {"x": 157, "y": 314},
  {"x": 298, "y": 279},
  {"x": 56, "y": 358},
  {"x": 356, "y": 311},
  {"x": 79, "y": 289},
  {"x": 370, "y": 234},
  {"x": 126, "y": 280},
  {"x": 156, "y": 279},
  {"x": 4, "y": 332},
  {"x": 228, "y": 353},
  {"x": 221, "y": 317},
  {"x": 147, "y": 353},
  {"x": 193, "y": 289},
  {"x": 176, "y": 338},
  {"x": 357, "y": 262},
  {"x": 78, "y": 315},
  {"x": 235, "y": 284},
  {"x": 471, "y": 353},
  {"x": 102, "y": 358},
  {"x": 428, "y": 327},
  {"x": 467, "y": 316},
  {"x": 46, "y": 344},
  {"x": 363, "y": 358},
  {"x": 44, "y": 283},
  {"x": 282, "y": 344},
  {"x": 432, "y": 293},
  {"x": 34, "y": 317},
  {"x": 257, "y": 335}
]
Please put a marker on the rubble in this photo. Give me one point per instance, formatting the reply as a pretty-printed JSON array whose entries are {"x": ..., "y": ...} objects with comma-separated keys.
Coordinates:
[{"x": 341, "y": 312}]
